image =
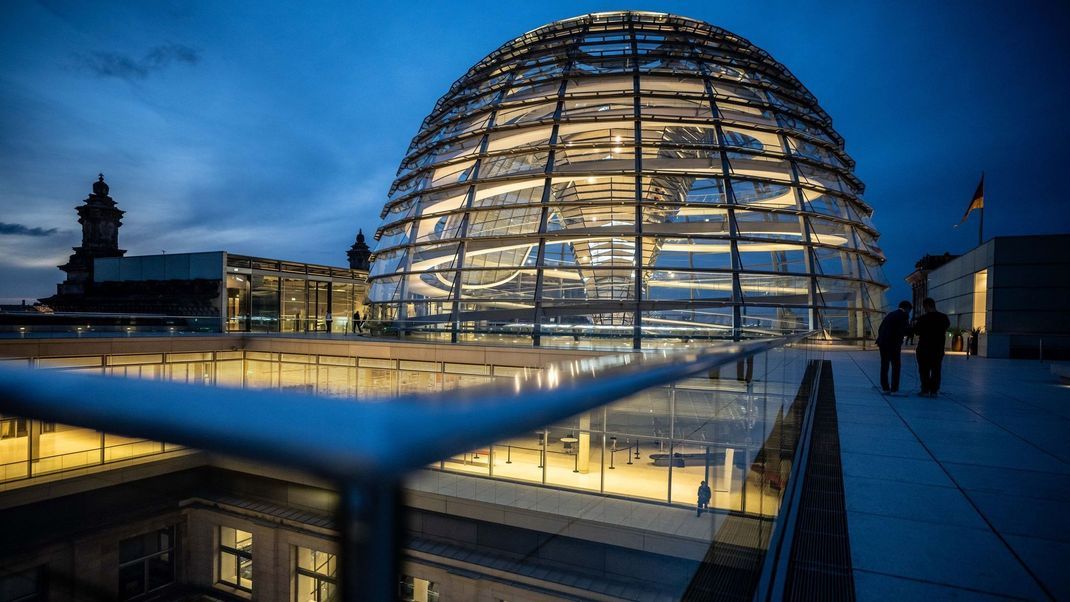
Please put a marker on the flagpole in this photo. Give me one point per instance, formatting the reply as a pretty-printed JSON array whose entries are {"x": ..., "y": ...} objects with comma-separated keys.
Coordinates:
[{"x": 981, "y": 228}]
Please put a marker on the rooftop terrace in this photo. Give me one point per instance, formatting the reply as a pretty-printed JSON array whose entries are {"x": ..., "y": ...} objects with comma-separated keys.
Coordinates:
[{"x": 964, "y": 496}]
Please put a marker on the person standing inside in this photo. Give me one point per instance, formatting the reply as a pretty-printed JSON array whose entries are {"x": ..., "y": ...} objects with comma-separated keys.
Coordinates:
[
  {"x": 932, "y": 331},
  {"x": 330, "y": 320},
  {"x": 894, "y": 327},
  {"x": 704, "y": 495}
]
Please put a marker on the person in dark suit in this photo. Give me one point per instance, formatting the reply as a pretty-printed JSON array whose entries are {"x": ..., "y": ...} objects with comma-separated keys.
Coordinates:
[
  {"x": 894, "y": 327},
  {"x": 704, "y": 495},
  {"x": 932, "y": 331}
]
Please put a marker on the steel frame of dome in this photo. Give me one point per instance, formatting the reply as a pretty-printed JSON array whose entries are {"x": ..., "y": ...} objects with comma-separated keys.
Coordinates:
[{"x": 627, "y": 174}]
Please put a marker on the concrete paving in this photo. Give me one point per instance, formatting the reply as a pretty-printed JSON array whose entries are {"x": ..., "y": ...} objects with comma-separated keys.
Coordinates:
[{"x": 966, "y": 496}]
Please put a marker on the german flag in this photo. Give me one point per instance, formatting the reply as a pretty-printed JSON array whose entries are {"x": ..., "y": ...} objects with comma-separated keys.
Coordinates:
[{"x": 978, "y": 201}]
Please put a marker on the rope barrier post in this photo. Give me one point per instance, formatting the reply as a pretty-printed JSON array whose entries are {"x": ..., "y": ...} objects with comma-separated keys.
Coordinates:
[{"x": 508, "y": 454}]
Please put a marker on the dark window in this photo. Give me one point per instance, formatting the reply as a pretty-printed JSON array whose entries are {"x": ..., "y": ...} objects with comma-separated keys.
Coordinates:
[{"x": 146, "y": 563}]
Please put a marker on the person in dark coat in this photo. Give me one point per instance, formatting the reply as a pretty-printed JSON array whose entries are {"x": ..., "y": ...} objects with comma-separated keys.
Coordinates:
[
  {"x": 704, "y": 495},
  {"x": 932, "y": 331},
  {"x": 894, "y": 327}
]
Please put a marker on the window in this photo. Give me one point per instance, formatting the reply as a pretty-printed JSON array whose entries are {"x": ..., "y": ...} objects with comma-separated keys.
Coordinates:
[
  {"x": 414, "y": 589},
  {"x": 146, "y": 563},
  {"x": 24, "y": 586},
  {"x": 316, "y": 580},
  {"x": 236, "y": 558}
]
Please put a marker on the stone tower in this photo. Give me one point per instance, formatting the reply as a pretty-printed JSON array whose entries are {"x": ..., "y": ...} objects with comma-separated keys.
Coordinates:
[
  {"x": 100, "y": 220},
  {"x": 359, "y": 254}
]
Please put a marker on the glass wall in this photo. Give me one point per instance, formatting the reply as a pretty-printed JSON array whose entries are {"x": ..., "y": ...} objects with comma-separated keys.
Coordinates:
[
  {"x": 265, "y": 304},
  {"x": 237, "y": 302},
  {"x": 294, "y": 305},
  {"x": 732, "y": 428}
]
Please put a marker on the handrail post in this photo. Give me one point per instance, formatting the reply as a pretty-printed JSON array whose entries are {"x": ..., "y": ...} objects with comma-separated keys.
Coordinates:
[{"x": 370, "y": 514}]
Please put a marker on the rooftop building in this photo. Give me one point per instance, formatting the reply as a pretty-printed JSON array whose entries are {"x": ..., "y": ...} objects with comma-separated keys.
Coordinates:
[{"x": 1014, "y": 291}]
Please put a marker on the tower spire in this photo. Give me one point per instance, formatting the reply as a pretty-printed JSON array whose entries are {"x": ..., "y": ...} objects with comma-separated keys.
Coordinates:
[
  {"x": 359, "y": 254},
  {"x": 100, "y": 219}
]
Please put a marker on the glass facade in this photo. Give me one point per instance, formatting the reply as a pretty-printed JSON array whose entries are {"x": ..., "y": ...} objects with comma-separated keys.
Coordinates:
[
  {"x": 732, "y": 428},
  {"x": 627, "y": 176},
  {"x": 266, "y": 295}
]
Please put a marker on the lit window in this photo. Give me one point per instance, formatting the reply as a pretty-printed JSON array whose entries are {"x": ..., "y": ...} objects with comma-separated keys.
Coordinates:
[
  {"x": 146, "y": 563},
  {"x": 414, "y": 589},
  {"x": 316, "y": 580},
  {"x": 236, "y": 558}
]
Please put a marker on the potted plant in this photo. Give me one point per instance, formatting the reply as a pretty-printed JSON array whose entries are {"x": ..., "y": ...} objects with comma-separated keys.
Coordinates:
[{"x": 956, "y": 339}]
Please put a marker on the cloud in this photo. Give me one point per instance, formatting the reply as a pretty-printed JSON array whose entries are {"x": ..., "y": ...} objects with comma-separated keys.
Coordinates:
[
  {"x": 20, "y": 230},
  {"x": 124, "y": 66}
]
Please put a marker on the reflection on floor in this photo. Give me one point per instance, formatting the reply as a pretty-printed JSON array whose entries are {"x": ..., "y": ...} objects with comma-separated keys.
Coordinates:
[{"x": 519, "y": 460}]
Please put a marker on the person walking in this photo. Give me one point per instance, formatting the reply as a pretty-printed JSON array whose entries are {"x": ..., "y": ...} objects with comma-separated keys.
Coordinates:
[
  {"x": 704, "y": 495},
  {"x": 894, "y": 327},
  {"x": 356, "y": 323},
  {"x": 932, "y": 331}
]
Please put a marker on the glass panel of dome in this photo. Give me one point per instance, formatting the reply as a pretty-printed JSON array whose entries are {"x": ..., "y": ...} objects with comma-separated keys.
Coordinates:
[
  {"x": 760, "y": 166},
  {"x": 389, "y": 262},
  {"x": 813, "y": 151},
  {"x": 828, "y": 232},
  {"x": 387, "y": 289},
  {"x": 766, "y": 224},
  {"x": 825, "y": 203},
  {"x": 706, "y": 190},
  {"x": 832, "y": 262},
  {"x": 694, "y": 253},
  {"x": 685, "y": 108},
  {"x": 527, "y": 113},
  {"x": 772, "y": 256},
  {"x": 610, "y": 133},
  {"x": 506, "y": 165},
  {"x": 679, "y": 85},
  {"x": 597, "y": 108},
  {"x": 767, "y": 195},
  {"x": 517, "y": 138},
  {"x": 775, "y": 289},
  {"x": 498, "y": 253},
  {"x": 451, "y": 173},
  {"x": 505, "y": 221},
  {"x": 531, "y": 91},
  {"x": 816, "y": 176},
  {"x": 498, "y": 284},
  {"x": 746, "y": 114},
  {"x": 753, "y": 139},
  {"x": 600, "y": 86},
  {"x": 601, "y": 158},
  {"x": 682, "y": 160},
  {"x": 667, "y": 285}
]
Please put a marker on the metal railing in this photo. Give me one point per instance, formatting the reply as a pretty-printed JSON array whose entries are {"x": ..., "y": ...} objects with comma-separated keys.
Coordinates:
[{"x": 366, "y": 449}]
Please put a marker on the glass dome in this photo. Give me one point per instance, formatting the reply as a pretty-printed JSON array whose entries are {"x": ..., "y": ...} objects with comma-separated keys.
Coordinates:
[{"x": 627, "y": 175}]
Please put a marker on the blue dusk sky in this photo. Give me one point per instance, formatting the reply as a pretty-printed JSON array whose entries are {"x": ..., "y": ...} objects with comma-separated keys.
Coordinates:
[{"x": 275, "y": 128}]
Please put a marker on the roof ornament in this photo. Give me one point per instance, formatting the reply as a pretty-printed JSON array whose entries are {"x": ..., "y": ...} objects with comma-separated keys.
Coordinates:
[{"x": 100, "y": 187}]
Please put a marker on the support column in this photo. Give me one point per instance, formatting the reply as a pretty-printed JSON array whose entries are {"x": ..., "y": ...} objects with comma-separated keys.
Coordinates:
[{"x": 583, "y": 447}]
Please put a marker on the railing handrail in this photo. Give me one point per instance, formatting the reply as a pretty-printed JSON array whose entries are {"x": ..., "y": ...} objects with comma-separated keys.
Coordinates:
[
  {"x": 341, "y": 439},
  {"x": 364, "y": 447}
]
